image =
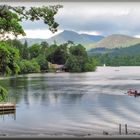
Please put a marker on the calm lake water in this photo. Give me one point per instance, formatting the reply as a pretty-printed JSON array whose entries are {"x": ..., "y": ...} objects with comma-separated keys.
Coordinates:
[{"x": 73, "y": 104}]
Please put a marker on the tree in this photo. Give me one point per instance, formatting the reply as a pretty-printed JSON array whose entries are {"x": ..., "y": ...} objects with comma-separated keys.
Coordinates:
[
  {"x": 90, "y": 65},
  {"x": 78, "y": 50},
  {"x": 44, "y": 45},
  {"x": 8, "y": 59},
  {"x": 18, "y": 45},
  {"x": 3, "y": 94},
  {"x": 9, "y": 23},
  {"x": 42, "y": 61},
  {"x": 34, "y": 50},
  {"x": 25, "y": 51},
  {"x": 27, "y": 66},
  {"x": 78, "y": 60},
  {"x": 10, "y": 18},
  {"x": 72, "y": 64},
  {"x": 60, "y": 54},
  {"x": 44, "y": 48}
]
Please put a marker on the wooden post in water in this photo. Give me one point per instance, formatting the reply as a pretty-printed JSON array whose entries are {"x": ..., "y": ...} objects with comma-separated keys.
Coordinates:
[
  {"x": 126, "y": 129},
  {"x": 120, "y": 129}
]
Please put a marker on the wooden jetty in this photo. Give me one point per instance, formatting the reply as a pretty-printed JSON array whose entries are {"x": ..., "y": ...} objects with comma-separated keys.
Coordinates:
[{"x": 7, "y": 106}]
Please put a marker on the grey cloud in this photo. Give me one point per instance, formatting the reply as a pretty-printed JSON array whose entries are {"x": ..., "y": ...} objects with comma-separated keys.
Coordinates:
[
  {"x": 104, "y": 25},
  {"x": 106, "y": 22},
  {"x": 34, "y": 25}
]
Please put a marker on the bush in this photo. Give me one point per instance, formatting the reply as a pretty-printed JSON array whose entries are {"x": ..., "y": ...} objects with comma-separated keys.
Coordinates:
[{"x": 27, "y": 66}]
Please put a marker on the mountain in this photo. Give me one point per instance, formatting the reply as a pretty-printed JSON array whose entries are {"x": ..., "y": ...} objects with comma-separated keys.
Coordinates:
[
  {"x": 67, "y": 35},
  {"x": 32, "y": 41},
  {"x": 94, "y": 38},
  {"x": 116, "y": 41}
]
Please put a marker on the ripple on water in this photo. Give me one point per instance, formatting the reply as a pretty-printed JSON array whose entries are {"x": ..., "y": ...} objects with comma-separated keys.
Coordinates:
[{"x": 81, "y": 103}]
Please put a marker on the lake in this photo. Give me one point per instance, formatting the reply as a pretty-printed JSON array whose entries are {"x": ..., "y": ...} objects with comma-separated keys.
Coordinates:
[{"x": 73, "y": 104}]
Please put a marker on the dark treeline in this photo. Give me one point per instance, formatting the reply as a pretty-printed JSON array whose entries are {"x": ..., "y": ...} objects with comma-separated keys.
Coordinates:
[
  {"x": 18, "y": 58},
  {"x": 118, "y": 60}
]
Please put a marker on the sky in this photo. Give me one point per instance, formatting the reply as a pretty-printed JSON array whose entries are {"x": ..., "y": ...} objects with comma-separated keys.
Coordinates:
[{"x": 97, "y": 18}]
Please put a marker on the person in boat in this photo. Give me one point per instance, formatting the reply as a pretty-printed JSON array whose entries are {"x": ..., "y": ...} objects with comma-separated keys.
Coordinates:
[
  {"x": 130, "y": 91},
  {"x": 136, "y": 92}
]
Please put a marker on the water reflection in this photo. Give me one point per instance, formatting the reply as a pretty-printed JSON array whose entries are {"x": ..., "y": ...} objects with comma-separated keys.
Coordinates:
[
  {"x": 73, "y": 103},
  {"x": 9, "y": 113},
  {"x": 19, "y": 89}
]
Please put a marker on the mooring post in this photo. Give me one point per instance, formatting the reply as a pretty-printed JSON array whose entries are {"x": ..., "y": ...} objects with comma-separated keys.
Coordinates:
[
  {"x": 120, "y": 129},
  {"x": 126, "y": 129}
]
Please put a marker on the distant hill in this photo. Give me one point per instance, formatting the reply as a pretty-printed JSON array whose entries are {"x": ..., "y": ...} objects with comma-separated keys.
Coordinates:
[
  {"x": 65, "y": 36},
  {"x": 94, "y": 38},
  {"x": 116, "y": 41},
  {"x": 131, "y": 51},
  {"x": 89, "y": 41},
  {"x": 32, "y": 41}
]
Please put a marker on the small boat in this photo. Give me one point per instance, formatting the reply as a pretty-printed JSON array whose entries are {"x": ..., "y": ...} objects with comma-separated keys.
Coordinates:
[{"x": 131, "y": 92}]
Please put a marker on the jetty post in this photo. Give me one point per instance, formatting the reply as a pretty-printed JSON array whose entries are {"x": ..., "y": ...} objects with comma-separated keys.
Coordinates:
[
  {"x": 126, "y": 132},
  {"x": 120, "y": 129}
]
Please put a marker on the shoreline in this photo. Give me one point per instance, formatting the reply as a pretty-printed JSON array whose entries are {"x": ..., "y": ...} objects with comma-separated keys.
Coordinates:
[{"x": 65, "y": 135}]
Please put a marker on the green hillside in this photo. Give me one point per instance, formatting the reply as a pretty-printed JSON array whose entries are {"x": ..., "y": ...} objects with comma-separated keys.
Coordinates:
[
  {"x": 115, "y": 41},
  {"x": 131, "y": 50}
]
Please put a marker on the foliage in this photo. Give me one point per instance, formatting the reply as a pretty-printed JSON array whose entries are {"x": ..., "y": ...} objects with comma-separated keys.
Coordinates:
[
  {"x": 72, "y": 64},
  {"x": 75, "y": 58},
  {"x": 9, "y": 23},
  {"x": 34, "y": 50},
  {"x": 90, "y": 65},
  {"x": 79, "y": 61},
  {"x": 3, "y": 94},
  {"x": 8, "y": 59},
  {"x": 78, "y": 50},
  {"x": 59, "y": 54},
  {"x": 27, "y": 66},
  {"x": 50, "y": 53},
  {"x": 43, "y": 63},
  {"x": 23, "y": 48},
  {"x": 129, "y": 56},
  {"x": 25, "y": 51},
  {"x": 119, "y": 60},
  {"x": 10, "y": 18}
]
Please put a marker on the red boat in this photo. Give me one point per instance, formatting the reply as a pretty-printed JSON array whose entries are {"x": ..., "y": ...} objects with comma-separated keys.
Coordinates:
[{"x": 131, "y": 92}]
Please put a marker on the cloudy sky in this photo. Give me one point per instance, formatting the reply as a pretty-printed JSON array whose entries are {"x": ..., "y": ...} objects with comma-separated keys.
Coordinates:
[{"x": 90, "y": 17}]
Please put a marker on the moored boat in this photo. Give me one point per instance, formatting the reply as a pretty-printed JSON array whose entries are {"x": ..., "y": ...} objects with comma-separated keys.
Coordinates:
[{"x": 131, "y": 92}]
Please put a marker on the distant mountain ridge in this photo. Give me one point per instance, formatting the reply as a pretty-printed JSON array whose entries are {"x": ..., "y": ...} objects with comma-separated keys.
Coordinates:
[
  {"x": 65, "y": 36},
  {"x": 116, "y": 41},
  {"x": 89, "y": 41},
  {"x": 75, "y": 37},
  {"x": 32, "y": 41}
]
